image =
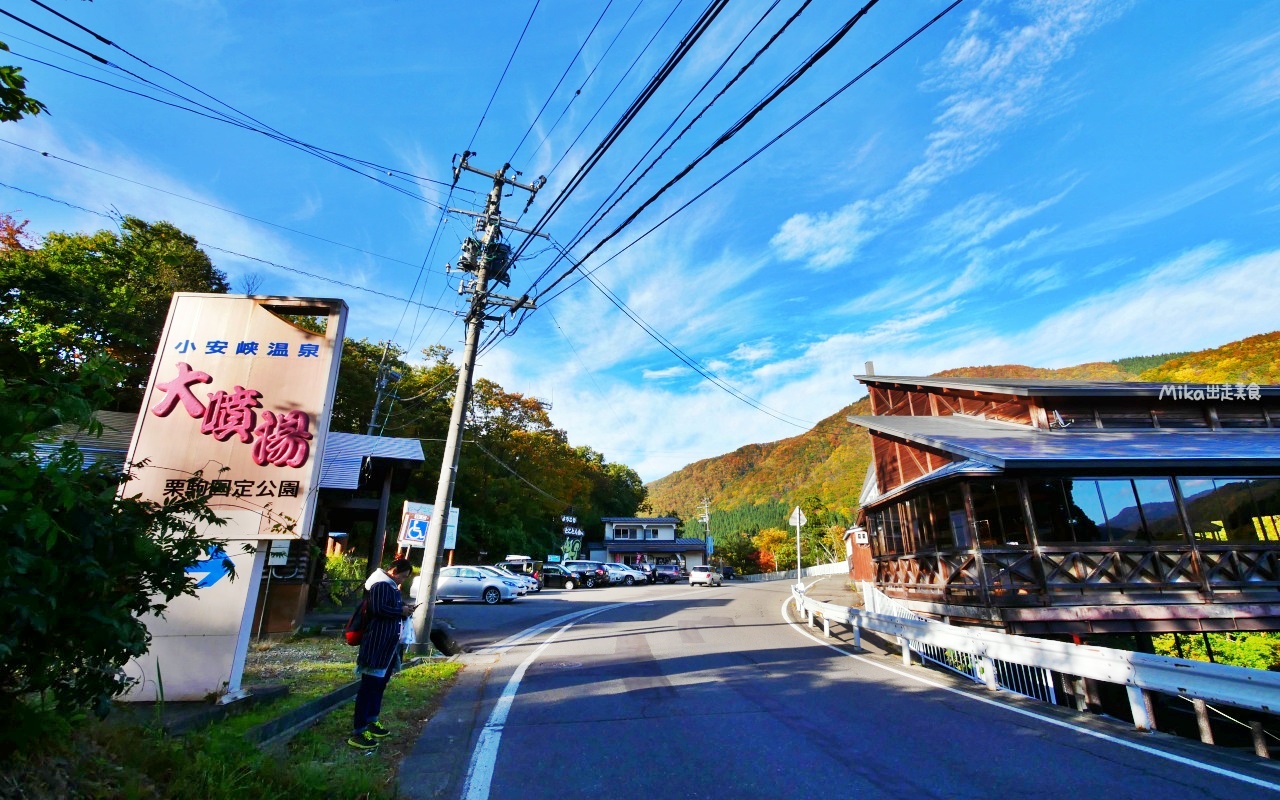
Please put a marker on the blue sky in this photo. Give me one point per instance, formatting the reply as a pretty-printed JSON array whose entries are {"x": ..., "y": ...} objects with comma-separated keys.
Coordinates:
[{"x": 1044, "y": 183}]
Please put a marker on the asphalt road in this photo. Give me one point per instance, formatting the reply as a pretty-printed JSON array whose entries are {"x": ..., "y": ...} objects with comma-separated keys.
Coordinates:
[{"x": 676, "y": 691}]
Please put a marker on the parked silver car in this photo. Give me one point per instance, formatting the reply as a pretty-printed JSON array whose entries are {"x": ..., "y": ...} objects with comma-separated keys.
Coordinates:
[
  {"x": 621, "y": 573},
  {"x": 471, "y": 583}
]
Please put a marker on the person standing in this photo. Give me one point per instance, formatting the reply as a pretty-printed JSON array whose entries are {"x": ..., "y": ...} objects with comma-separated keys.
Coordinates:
[{"x": 379, "y": 656}]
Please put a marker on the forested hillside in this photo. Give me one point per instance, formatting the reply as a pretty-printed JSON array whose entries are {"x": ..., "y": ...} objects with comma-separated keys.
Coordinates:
[
  {"x": 1252, "y": 360},
  {"x": 756, "y": 486}
]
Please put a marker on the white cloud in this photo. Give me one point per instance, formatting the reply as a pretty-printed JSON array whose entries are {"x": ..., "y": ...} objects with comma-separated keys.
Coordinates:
[
  {"x": 753, "y": 352},
  {"x": 994, "y": 75},
  {"x": 663, "y": 374},
  {"x": 825, "y": 241}
]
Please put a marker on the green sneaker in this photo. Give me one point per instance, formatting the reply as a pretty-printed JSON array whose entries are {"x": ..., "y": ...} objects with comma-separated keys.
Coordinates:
[
  {"x": 363, "y": 741},
  {"x": 376, "y": 730}
]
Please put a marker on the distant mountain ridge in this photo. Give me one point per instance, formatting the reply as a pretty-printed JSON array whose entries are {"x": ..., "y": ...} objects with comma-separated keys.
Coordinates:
[{"x": 763, "y": 481}]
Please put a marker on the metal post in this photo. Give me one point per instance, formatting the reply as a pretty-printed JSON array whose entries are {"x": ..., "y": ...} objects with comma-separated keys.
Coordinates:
[
  {"x": 826, "y": 626},
  {"x": 1138, "y": 707},
  {"x": 906, "y": 651},
  {"x": 1202, "y": 719},
  {"x": 1260, "y": 748},
  {"x": 987, "y": 669}
]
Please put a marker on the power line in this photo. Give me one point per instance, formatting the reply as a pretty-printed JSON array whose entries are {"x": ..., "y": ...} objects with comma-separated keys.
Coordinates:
[
  {"x": 700, "y": 26},
  {"x": 587, "y": 79},
  {"x": 208, "y": 246},
  {"x": 576, "y": 265},
  {"x": 635, "y": 317},
  {"x": 252, "y": 124},
  {"x": 599, "y": 215},
  {"x": 503, "y": 76},
  {"x": 723, "y": 90},
  {"x": 563, "y": 75},
  {"x": 741, "y": 123},
  {"x": 522, "y": 479},
  {"x": 207, "y": 205},
  {"x": 56, "y": 200},
  {"x": 334, "y": 280}
]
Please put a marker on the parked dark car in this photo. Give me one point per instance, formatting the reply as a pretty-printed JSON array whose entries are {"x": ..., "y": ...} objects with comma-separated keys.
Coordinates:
[
  {"x": 590, "y": 573},
  {"x": 559, "y": 577},
  {"x": 667, "y": 573},
  {"x": 727, "y": 572}
]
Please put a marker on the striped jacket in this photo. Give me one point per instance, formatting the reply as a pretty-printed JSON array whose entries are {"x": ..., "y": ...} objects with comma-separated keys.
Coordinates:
[{"x": 386, "y": 615}]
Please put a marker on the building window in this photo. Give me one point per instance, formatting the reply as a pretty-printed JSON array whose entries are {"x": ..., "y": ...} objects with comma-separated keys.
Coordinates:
[
  {"x": 1160, "y": 510},
  {"x": 892, "y": 530},
  {"x": 1233, "y": 509},
  {"x": 1050, "y": 514},
  {"x": 923, "y": 538},
  {"x": 997, "y": 513},
  {"x": 622, "y": 533},
  {"x": 948, "y": 518},
  {"x": 1121, "y": 511},
  {"x": 1266, "y": 498},
  {"x": 1124, "y": 520}
]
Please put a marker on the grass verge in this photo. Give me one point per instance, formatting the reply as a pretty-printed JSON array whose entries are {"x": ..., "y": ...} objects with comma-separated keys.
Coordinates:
[{"x": 111, "y": 760}]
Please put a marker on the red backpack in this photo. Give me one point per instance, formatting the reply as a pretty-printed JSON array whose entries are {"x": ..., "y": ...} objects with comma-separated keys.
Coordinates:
[{"x": 354, "y": 630}]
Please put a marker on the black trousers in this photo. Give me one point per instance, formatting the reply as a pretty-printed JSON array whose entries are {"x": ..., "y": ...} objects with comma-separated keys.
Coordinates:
[{"x": 369, "y": 699}]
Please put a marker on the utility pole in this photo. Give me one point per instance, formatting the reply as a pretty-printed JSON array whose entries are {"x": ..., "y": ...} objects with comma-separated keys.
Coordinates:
[
  {"x": 386, "y": 376},
  {"x": 705, "y": 519},
  {"x": 475, "y": 259}
]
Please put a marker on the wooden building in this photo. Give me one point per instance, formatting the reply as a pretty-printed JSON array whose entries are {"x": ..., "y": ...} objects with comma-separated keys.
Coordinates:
[{"x": 1056, "y": 507}]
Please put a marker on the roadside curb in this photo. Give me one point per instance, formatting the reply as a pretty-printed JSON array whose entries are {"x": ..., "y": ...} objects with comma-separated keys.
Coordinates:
[
  {"x": 438, "y": 761},
  {"x": 280, "y": 730}
]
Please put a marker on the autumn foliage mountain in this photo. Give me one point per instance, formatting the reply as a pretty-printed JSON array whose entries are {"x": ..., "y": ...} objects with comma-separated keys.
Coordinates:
[
  {"x": 755, "y": 487},
  {"x": 1252, "y": 360}
]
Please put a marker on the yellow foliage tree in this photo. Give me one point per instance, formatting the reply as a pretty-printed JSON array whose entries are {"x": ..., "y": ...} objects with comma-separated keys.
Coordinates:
[{"x": 777, "y": 546}]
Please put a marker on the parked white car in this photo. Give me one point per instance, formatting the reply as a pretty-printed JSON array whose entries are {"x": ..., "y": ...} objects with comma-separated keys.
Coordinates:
[
  {"x": 529, "y": 582},
  {"x": 704, "y": 575},
  {"x": 621, "y": 573},
  {"x": 470, "y": 583}
]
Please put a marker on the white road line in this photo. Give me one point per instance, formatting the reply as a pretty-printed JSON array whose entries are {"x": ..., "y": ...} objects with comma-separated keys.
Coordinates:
[
  {"x": 1226, "y": 773},
  {"x": 485, "y": 757}
]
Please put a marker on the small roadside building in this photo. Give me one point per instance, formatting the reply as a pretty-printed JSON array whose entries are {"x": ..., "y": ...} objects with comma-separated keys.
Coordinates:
[
  {"x": 1062, "y": 507},
  {"x": 652, "y": 540}
]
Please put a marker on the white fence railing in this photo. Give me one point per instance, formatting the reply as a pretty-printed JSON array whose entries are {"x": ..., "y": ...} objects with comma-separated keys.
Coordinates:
[
  {"x": 834, "y": 568},
  {"x": 1036, "y": 682},
  {"x": 1253, "y": 689}
]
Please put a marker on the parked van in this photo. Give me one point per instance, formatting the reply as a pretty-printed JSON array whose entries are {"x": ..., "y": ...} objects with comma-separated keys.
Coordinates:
[{"x": 522, "y": 565}]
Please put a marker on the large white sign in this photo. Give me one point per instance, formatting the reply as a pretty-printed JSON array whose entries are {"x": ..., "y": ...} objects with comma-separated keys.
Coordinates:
[{"x": 237, "y": 410}]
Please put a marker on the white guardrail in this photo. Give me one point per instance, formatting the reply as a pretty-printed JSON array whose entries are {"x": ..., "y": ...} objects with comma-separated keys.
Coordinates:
[
  {"x": 988, "y": 651},
  {"x": 834, "y": 568}
]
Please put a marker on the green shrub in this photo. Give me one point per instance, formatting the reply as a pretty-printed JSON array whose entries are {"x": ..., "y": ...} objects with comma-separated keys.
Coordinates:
[{"x": 81, "y": 565}]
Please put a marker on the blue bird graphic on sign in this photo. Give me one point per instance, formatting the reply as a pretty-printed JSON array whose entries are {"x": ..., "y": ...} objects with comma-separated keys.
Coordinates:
[{"x": 216, "y": 567}]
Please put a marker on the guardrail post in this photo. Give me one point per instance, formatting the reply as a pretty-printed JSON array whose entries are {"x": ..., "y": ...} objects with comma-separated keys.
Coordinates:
[
  {"x": 1202, "y": 719},
  {"x": 857, "y": 633},
  {"x": 1260, "y": 748},
  {"x": 987, "y": 669},
  {"x": 906, "y": 651},
  {"x": 1138, "y": 707},
  {"x": 826, "y": 626}
]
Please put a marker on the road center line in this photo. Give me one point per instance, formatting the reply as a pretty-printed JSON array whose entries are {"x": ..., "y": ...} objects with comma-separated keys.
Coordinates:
[{"x": 1226, "y": 773}]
